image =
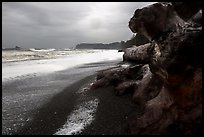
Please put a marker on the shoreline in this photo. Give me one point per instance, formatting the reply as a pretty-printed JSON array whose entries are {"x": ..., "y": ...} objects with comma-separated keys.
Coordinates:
[
  {"x": 110, "y": 118},
  {"x": 48, "y": 117},
  {"x": 55, "y": 112}
]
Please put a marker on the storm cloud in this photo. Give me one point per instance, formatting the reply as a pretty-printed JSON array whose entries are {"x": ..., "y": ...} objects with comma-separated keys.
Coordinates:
[{"x": 65, "y": 24}]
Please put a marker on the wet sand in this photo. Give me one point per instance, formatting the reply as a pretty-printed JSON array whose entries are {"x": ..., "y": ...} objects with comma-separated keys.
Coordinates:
[
  {"x": 54, "y": 114},
  {"x": 112, "y": 114},
  {"x": 45, "y": 114}
]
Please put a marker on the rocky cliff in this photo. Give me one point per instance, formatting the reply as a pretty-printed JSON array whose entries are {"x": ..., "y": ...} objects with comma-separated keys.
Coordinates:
[
  {"x": 136, "y": 40},
  {"x": 164, "y": 76},
  {"x": 114, "y": 45}
]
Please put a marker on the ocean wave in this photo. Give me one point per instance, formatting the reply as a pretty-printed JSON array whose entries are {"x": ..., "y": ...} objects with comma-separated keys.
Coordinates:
[
  {"x": 37, "y": 54},
  {"x": 40, "y": 65},
  {"x": 41, "y": 50}
]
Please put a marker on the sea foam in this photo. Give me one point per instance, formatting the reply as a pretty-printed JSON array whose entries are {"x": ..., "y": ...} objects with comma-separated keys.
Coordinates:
[{"x": 55, "y": 62}]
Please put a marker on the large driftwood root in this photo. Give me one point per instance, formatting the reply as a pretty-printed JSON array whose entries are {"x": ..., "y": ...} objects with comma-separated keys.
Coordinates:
[
  {"x": 176, "y": 58},
  {"x": 167, "y": 82},
  {"x": 124, "y": 77}
]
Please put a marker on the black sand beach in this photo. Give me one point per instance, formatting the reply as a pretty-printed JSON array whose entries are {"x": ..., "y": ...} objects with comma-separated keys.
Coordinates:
[
  {"x": 40, "y": 105},
  {"x": 112, "y": 114}
]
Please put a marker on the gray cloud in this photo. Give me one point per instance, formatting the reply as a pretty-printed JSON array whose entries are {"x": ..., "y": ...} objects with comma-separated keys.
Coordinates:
[{"x": 65, "y": 24}]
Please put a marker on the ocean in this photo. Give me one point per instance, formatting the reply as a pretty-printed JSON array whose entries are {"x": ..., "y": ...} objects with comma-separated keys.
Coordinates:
[{"x": 18, "y": 64}]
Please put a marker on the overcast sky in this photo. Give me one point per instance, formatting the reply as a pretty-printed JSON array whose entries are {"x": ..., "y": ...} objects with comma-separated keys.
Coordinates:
[{"x": 65, "y": 24}]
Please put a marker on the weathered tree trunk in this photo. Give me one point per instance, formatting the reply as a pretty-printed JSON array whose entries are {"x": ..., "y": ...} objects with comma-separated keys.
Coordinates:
[{"x": 137, "y": 54}]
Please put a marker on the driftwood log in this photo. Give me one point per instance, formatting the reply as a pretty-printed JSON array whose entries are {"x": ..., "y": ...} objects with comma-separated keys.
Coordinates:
[
  {"x": 165, "y": 75},
  {"x": 137, "y": 54}
]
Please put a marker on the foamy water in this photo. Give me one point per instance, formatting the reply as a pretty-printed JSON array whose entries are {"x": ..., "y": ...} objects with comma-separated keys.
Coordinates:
[
  {"x": 14, "y": 68},
  {"x": 82, "y": 116},
  {"x": 34, "y": 54}
]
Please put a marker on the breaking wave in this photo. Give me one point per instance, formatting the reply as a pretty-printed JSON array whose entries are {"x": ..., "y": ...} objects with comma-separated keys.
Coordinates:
[
  {"x": 33, "y": 49},
  {"x": 21, "y": 64},
  {"x": 37, "y": 54}
]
